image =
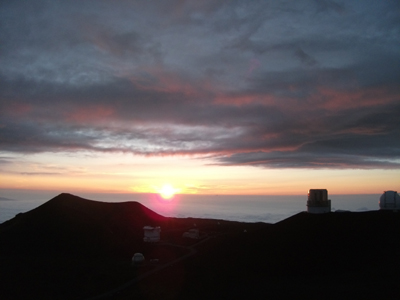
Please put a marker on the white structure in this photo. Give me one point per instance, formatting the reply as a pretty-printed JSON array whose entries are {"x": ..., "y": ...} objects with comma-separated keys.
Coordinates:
[
  {"x": 137, "y": 258},
  {"x": 192, "y": 233},
  {"x": 151, "y": 234},
  {"x": 389, "y": 200},
  {"x": 318, "y": 201}
]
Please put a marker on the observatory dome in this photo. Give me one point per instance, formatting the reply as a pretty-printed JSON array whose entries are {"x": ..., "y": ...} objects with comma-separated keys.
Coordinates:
[
  {"x": 137, "y": 258},
  {"x": 389, "y": 200},
  {"x": 318, "y": 201}
]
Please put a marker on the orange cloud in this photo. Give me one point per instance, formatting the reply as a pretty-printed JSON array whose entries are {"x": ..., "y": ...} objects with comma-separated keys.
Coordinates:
[
  {"x": 92, "y": 113},
  {"x": 337, "y": 100},
  {"x": 243, "y": 99},
  {"x": 19, "y": 109}
]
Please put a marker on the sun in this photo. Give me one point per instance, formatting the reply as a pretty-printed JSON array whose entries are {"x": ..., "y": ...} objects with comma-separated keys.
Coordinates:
[{"x": 167, "y": 191}]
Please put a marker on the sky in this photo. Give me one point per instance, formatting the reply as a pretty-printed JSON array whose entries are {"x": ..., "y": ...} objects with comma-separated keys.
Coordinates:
[{"x": 211, "y": 97}]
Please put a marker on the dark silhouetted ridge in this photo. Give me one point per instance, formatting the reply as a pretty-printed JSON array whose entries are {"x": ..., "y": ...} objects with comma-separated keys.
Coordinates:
[
  {"x": 70, "y": 248},
  {"x": 74, "y": 225}
]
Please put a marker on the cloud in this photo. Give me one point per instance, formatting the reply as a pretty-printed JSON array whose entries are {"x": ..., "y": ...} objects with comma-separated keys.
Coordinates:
[
  {"x": 324, "y": 5},
  {"x": 6, "y": 199},
  {"x": 306, "y": 84},
  {"x": 305, "y": 58}
]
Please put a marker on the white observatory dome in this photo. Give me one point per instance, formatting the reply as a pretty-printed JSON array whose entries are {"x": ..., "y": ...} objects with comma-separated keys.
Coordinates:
[
  {"x": 389, "y": 200},
  {"x": 137, "y": 258}
]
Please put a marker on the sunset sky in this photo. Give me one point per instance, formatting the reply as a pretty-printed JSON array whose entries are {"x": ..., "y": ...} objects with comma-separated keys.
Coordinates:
[{"x": 212, "y": 97}]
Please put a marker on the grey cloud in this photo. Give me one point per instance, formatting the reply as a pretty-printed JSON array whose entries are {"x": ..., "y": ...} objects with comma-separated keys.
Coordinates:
[
  {"x": 6, "y": 160},
  {"x": 174, "y": 79},
  {"x": 36, "y": 137},
  {"x": 305, "y": 58},
  {"x": 6, "y": 199},
  {"x": 39, "y": 173},
  {"x": 325, "y": 5},
  {"x": 308, "y": 160}
]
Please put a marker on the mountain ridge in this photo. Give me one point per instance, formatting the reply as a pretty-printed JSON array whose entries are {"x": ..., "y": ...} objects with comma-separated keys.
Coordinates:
[{"x": 72, "y": 248}]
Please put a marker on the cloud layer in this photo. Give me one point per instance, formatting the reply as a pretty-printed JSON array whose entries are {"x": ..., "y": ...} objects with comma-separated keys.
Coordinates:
[{"x": 303, "y": 84}]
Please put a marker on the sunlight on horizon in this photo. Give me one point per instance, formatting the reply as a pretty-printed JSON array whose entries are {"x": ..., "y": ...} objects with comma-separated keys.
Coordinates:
[
  {"x": 110, "y": 173},
  {"x": 167, "y": 191}
]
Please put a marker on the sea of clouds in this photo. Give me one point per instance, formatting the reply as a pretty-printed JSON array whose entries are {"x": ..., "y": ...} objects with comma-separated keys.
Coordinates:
[{"x": 243, "y": 208}]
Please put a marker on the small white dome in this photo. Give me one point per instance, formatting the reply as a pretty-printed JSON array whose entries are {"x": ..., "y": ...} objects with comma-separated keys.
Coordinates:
[
  {"x": 389, "y": 200},
  {"x": 138, "y": 258}
]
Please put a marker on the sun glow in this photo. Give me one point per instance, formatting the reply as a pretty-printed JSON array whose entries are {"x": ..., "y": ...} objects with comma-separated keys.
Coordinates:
[{"x": 167, "y": 191}]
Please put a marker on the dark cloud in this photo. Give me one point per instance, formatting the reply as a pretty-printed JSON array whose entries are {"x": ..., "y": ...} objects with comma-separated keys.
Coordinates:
[
  {"x": 305, "y": 58},
  {"x": 325, "y": 5},
  {"x": 307, "y": 84},
  {"x": 308, "y": 160},
  {"x": 6, "y": 199}
]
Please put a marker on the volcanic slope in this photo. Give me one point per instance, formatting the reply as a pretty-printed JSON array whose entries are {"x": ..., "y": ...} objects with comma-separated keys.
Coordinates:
[
  {"x": 328, "y": 256},
  {"x": 72, "y": 248},
  {"x": 74, "y": 225}
]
